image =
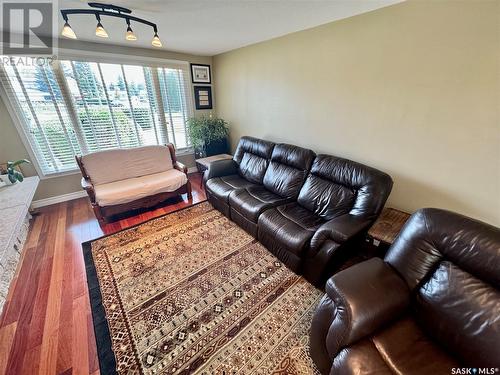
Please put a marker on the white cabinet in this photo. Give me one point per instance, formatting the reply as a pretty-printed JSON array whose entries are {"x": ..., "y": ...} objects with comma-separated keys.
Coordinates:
[{"x": 15, "y": 201}]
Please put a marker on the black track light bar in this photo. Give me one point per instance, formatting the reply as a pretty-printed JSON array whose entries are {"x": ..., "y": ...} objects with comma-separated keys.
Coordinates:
[{"x": 108, "y": 10}]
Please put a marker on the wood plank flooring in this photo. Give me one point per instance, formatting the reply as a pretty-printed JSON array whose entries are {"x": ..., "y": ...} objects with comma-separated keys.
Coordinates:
[{"x": 46, "y": 325}]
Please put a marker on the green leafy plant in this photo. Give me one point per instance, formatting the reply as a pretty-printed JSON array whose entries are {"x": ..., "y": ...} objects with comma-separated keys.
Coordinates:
[
  {"x": 13, "y": 174},
  {"x": 206, "y": 129}
]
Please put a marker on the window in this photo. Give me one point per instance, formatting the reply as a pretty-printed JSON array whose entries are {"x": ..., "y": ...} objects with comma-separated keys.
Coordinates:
[{"x": 74, "y": 107}]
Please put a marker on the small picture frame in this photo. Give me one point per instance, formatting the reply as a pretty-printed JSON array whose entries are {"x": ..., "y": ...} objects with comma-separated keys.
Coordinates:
[
  {"x": 200, "y": 73},
  {"x": 203, "y": 97}
]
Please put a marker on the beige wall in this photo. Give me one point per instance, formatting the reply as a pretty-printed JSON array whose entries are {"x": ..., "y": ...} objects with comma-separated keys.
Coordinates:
[
  {"x": 412, "y": 89},
  {"x": 12, "y": 148}
]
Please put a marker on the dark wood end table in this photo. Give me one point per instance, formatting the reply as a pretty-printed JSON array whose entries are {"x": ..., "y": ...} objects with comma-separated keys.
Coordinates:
[
  {"x": 387, "y": 226},
  {"x": 203, "y": 163}
]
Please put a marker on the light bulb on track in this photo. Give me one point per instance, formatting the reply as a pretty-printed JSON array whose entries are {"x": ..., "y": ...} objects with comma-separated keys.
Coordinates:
[
  {"x": 99, "y": 31},
  {"x": 130, "y": 34},
  {"x": 67, "y": 31},
  {"x": 156, "y": 42}
]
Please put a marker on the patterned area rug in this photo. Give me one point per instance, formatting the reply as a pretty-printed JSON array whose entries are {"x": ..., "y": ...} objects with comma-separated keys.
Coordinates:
[{"x": 191, "y": 292}]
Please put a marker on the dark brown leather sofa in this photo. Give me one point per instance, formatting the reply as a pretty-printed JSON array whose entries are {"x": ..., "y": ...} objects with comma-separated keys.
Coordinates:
[
  {"x": 431, "y": 305},
  {"x": 305, "y": 208}
]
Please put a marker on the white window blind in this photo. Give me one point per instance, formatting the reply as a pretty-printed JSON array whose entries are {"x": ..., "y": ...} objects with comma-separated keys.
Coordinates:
[{"x": 76, "y": 107}]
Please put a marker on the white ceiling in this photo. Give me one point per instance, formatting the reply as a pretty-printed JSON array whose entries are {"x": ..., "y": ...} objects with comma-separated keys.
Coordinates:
[{"x": 210, "y": 27}]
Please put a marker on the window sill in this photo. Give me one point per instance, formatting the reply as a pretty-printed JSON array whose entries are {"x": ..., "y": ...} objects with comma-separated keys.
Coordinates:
[{"x": 60, "y": 174}]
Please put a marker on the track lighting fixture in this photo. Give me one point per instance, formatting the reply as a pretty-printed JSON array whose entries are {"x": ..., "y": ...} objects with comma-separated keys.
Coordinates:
[{"x": 111, "y": 11}]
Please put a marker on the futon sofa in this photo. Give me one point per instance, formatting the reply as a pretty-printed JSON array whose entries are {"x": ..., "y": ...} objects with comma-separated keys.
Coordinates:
[
  {"x": 120, "y": 180},
  {"x": 307, "y": 209},
  {"x": 432, "y": 305}
]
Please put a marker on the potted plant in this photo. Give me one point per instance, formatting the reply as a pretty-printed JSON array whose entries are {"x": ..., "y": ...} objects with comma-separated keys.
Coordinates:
[
  {"x": 208, "y": 135},
  {"x": 11, "y": 175}
]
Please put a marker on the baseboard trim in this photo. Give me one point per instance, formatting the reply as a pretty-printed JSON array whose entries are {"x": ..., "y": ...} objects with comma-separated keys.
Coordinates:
[{"x": 58, "y": 199}]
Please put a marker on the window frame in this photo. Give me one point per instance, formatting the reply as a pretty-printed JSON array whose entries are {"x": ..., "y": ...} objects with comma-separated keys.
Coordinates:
[{"x": 105, "y": 58}]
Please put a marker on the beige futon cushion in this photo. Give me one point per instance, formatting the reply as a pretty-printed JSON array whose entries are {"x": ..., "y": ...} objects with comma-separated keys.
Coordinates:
[
  {"x": 120, "y": 164},
  {"x": 124, "y": 191}
]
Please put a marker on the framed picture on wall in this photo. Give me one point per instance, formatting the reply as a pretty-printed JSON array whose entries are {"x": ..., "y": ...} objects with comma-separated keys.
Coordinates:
[
  {"x": 200, "y": 73},
  {"x": 203, "y": 97}
]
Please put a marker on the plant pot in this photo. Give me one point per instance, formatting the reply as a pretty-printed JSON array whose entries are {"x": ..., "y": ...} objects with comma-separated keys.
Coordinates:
[
  {"x": 4, "y": 178},
  {"x": 220, "y": 146}
]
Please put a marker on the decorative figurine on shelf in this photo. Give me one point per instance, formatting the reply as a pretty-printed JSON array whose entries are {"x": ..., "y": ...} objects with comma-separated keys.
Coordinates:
[{"x": 10, "y": 175}]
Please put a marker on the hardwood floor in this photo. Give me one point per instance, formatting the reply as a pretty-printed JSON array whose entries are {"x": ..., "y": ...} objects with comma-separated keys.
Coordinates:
[{"x": 46, "y": 326}]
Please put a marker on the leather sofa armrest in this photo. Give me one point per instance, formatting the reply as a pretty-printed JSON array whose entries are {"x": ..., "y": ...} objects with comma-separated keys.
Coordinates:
[
  {"x": 340, "y": 229},
  {"x": 366, "y": 296},
  {"x": 221, "y": 168},
  {"x": 180, "y": 167},
  {"x": 89, "y": 188}
]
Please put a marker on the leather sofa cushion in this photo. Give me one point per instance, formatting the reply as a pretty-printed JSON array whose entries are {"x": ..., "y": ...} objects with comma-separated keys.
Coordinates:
[
  {"x": 361, "y": 358},
  {"x": 131, "y": 189},
  {"x": 293, "y": 156},
  {"x": 461, "y": 300},
  {"x": 402, "y": 348},
  {"x": 253, "y": 168},
  {"x": 336, "y": 186},
  {"x": 255, "y": 146},
  {"x": 252, "y": 155},
  {"x": 326, "y": 198},
  {"x": 284, "y": 180},
  {"x": 252, "y": 201},
  {"x": 291, "y": 225},
  {"x": 221, "y": 187},
  {"x": 120, "y": 164},
  {"x": 288, "y": 169}
]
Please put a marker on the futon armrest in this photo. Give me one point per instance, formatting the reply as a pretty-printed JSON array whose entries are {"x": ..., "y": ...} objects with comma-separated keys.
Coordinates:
[
  {"x": 180, "y": 167},
  {"x": 340, "y": 229},
  {"x": 89, "y": 188},
  {"x": 221, "y": 168},
  {"x": 366, "y": 296}
]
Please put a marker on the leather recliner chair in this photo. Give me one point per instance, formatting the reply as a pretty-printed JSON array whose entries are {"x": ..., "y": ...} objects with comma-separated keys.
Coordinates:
[{"x": 432, "y": 304}]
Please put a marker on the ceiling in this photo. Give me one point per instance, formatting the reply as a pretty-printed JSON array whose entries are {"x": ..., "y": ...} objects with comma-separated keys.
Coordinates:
[{"x": 210, "y": 27}]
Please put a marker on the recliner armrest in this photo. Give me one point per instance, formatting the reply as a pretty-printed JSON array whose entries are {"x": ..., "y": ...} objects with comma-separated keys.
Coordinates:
[
  {"x": 221, "y": 168},
  {"x": 366, "y": 296},
  {"x": 339, "y": 229}
]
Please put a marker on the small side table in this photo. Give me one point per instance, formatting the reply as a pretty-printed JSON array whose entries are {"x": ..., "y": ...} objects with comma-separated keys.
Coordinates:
[
  {"x": 387, "y": 226},
  {"x": 203, "y": 163}
]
